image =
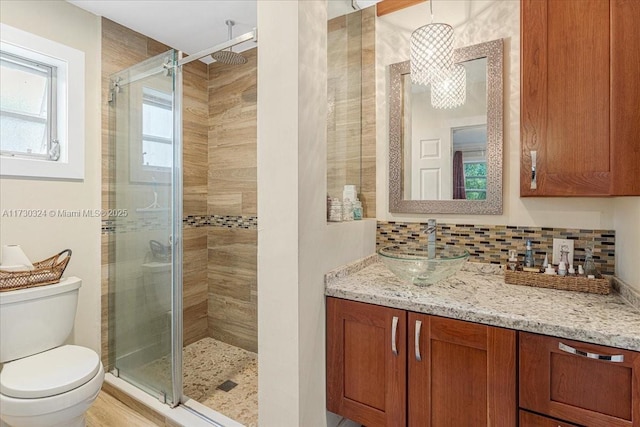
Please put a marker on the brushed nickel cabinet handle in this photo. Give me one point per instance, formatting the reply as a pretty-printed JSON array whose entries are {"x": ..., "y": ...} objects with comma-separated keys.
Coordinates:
[
  {"x": 534, "y": 181},
  {"x": 417, "y": 340},
  {"x": 614, "y": 358},
  {"x": 394, "y": 330}
]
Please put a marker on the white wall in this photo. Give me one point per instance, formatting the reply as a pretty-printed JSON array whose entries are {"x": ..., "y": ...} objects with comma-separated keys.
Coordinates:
[
  {"x": 627, "y": 226},
  {"x": 296, "y": 246},
  {"x": 42, "y": 237},
  {"x": 475, "y": 22}
]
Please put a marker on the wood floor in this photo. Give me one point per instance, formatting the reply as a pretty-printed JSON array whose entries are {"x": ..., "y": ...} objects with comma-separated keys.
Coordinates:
[{"x": 107, "y": 411}]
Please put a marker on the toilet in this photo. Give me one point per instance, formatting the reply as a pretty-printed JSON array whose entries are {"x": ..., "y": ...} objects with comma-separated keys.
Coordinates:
[{"x": 44, "y": 383}]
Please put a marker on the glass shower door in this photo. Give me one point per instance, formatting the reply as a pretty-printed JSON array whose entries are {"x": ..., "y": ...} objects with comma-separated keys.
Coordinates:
[{"x": 145, "y": 276}]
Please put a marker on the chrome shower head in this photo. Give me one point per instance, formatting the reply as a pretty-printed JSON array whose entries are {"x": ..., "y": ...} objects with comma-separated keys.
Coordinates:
[{"x": 229, "y": 56}]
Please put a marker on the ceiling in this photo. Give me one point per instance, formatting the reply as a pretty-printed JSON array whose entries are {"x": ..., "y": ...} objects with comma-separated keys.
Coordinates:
[
  {"x": 191, "y": 25},
  {"x": 195, "y": 25},
  {"x": 186, "y": 25}
]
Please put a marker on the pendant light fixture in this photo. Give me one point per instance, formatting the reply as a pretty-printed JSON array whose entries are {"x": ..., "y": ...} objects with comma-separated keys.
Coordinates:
[{"x": 431, "y": 50}]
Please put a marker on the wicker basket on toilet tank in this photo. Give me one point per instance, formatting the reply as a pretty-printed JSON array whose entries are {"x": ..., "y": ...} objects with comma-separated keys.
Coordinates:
[{"x": 45, "y": 272}]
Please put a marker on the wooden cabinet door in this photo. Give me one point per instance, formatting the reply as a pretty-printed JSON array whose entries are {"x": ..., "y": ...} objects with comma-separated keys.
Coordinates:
[
  {"x": 564, "y": 379},
  {"x": 366, "y": 363},
  {"x": 460, "y": 373},
  {"x": 625, "y": 96},
  {"x": 565, "y": 97},
  {"x": 527, "y": 419}
]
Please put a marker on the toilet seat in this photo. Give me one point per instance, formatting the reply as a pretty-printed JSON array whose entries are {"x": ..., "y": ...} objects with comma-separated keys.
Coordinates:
[
  {"x": 50, "y": 411},
  {"x": 49, "y": 373}
]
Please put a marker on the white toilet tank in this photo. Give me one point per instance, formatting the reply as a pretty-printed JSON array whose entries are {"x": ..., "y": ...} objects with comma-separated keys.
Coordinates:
[{"x": 36, "y": 319}]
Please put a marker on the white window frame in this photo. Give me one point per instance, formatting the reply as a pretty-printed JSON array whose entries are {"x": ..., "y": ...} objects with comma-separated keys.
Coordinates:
[
  {"x": 49, "y": 72},
  {"x": 70, "y": 106},
  {"x": 166, "y": 103},
  {"x": 138, "y": 171}
]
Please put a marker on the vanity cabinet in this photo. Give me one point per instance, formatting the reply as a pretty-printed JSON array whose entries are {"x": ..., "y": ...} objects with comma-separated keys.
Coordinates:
[
  {"x": 460, "y": 373},
  {"x": 585, "y": 384},
  {"x": 366, "y": 362},
  {"x": 389, "y": 367},
  {"x": 580, "y": 119}
]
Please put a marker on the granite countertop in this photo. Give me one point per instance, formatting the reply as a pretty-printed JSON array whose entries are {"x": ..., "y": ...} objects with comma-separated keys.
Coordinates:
[{"x": 479, "y": 294}]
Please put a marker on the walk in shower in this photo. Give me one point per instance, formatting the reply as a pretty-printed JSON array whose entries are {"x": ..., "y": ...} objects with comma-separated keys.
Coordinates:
[{"x": 148, "y": 345}]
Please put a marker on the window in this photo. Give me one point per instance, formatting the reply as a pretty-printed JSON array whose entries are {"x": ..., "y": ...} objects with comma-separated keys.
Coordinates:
[
  {"x": 41, "y": 107},
  {"x": 157, "y": 130},
  {"x": 28, "y": 108},
  {"x": 475, "y": 180}
]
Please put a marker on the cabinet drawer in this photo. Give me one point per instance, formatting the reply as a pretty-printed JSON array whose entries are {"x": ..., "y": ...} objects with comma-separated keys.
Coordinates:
[
  {"x": 582, "y": 383},
  {"x": 527, "y": 419}
]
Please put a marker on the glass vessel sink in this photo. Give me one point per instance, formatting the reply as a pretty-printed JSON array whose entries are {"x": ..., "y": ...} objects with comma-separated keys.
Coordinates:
[{"x": 423, "y": 265}]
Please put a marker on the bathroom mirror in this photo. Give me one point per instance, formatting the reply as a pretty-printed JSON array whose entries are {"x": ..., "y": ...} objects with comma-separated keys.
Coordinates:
[{"x": 448, "y": 160}]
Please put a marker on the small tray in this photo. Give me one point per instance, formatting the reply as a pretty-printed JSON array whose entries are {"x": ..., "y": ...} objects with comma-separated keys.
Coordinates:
[
  {"x": 565, "y": 283},
  {"x": 45, "y": 272}
]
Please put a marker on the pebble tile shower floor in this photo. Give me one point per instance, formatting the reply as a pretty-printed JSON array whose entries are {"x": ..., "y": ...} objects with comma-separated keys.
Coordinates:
[{"x": 209, "y": 363}]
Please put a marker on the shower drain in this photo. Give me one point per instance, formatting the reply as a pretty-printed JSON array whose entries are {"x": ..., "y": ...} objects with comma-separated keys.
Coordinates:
[{"x": 227, "y": 385}]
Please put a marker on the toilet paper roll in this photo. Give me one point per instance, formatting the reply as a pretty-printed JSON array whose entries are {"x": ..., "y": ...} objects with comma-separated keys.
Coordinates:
[{"x": 13, "y": 255}]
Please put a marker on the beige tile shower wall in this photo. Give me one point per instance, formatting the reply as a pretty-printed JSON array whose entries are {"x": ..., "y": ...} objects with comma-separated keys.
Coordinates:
[
  {"x": 232, "y": 137},
  {"x": 123, "y": 48},
  {"x": 368, "y": 153},
  {"x": 343, "y": 89},
  {"x": 194, "y": 285},
  {"x": 233, "y": 292},
  {"x": 195, "y": 115},
  {"x": 232, "y": 252},
  {"x": 351, "y": 114}
]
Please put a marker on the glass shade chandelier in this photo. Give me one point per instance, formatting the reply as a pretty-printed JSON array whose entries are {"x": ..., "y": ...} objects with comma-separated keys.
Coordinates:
[
  {"x": 431, "y": 51},
  {"x": 448, "y": 89},
  {"x": 431, "y": 62}
]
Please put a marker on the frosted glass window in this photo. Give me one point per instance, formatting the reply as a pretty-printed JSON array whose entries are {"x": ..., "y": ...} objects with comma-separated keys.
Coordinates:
[
  {"x": 157, "y": 129},
  {"x": 27, "y": 108}
]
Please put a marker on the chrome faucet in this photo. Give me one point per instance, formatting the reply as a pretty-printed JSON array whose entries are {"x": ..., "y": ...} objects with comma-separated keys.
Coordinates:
[{"x": 430, "y": 231}]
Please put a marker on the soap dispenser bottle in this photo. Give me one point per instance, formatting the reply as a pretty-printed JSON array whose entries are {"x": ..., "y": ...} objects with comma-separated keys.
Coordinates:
[{"x": 528, "y": 255}]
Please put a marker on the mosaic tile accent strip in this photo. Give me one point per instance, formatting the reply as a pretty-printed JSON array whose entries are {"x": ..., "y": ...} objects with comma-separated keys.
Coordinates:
[
  {"x": 491, "y": 243},
  {"x": 224, "y": 221},
  {"x": 121, "y": 225},
  {"x": 108, "y": 226}
]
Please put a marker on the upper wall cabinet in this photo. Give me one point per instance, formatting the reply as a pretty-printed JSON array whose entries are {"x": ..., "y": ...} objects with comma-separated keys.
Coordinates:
[{"x": 580, "y": 120}]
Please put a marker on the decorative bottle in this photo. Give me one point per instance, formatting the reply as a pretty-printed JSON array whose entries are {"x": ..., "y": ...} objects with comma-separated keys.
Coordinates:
[{"x": 528, "y": 255}]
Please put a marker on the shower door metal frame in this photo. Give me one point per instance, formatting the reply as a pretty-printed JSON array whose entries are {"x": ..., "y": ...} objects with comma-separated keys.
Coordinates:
[{"x": 176, "y": 232}]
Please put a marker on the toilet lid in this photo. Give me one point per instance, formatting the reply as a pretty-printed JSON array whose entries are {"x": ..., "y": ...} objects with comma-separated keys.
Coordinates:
[{"x": 49, "y": 373}]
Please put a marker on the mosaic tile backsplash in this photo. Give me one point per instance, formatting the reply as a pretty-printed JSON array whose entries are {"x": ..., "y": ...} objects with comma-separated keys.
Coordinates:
[{"x": 491, "y": 243}]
